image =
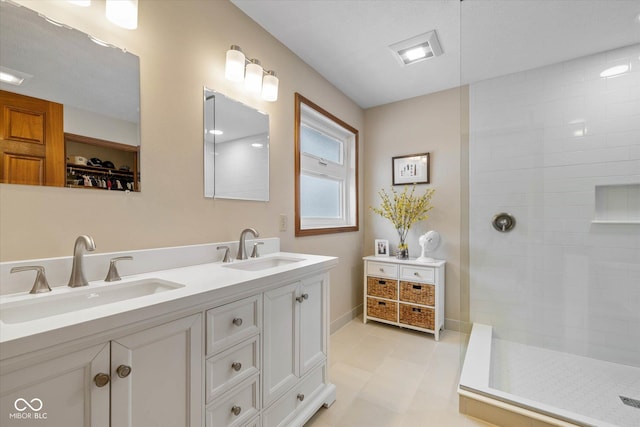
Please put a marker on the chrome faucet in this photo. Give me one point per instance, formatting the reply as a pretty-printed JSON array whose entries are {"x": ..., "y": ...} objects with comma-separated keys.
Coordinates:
[
  {"x": 242, "y": 252},
  {"x": 77, "y": 272}
]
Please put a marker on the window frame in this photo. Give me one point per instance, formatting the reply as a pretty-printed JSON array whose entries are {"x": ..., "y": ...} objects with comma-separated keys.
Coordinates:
[{"x": 350, "y": 214}]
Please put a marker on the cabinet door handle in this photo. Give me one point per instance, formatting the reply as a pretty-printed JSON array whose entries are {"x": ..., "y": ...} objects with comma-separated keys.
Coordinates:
[
  {"x": 236, "y": 366},
  {"x": 235, "y": 410},
  {"x": 123, "y": 371},
  {"x": 237, "y": 321},
  {"x": 302, "y": 297},
  {"x": 300, "y": 397},
  {"x": 101, "y": 379}
]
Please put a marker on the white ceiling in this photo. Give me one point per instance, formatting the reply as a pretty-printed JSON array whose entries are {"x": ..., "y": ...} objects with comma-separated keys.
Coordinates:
[
  {"x": 347, "y": 41},
  {"x": 66, "y": 66}
]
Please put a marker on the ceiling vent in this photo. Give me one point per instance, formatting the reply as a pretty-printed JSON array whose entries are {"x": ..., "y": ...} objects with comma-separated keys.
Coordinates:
[{"x": 417, "y": 48}]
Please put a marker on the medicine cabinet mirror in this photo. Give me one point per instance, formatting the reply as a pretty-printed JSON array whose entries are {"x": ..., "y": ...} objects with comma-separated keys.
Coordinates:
[
  {"x": 95, "y": 88},
  {"x": 236, "y": 149}
]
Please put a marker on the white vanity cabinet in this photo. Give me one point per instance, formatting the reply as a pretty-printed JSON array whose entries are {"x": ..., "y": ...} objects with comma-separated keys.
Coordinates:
[
  {"x": 230, "y": 346},
  {"x": 295, "y": 382},
  {"x": 151, "y": 377}
]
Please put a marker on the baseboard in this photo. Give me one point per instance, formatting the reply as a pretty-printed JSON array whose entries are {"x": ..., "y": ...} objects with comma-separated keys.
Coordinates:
[
  {"x": 457, "y": 325},
  {"x": 345, "y": 318}
]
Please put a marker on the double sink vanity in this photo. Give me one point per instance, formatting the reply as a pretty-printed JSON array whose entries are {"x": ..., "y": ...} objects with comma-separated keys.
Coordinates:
[{"x": 183, "y": 339}]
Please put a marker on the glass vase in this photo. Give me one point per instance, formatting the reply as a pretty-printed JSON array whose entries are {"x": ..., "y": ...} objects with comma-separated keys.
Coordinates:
[{"x": 403, "y": 251}]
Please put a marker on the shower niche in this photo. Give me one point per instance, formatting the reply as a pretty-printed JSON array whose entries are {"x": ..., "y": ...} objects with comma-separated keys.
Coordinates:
[{"x": 617, "y": 204}]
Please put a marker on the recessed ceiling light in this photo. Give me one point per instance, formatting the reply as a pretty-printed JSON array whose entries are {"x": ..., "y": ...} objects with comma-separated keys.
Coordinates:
[
  {"x": 256, "y": 145},
  {"x": 615, "y": 71},
  {"x": 417, "y": 48},
  {"x": 216, "y": 132},
  {"x": 13, "y": 77}
]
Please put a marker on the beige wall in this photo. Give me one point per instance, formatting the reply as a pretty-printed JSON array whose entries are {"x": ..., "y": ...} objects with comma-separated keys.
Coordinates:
[
  {"x": 433, "y": 124},
  {"x": 182, "y": 45}
]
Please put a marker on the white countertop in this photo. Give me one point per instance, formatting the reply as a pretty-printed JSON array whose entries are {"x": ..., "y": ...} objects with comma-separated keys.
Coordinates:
[
  {"x": 410, "y": 261},
  {"x": 205, "y": 285}
]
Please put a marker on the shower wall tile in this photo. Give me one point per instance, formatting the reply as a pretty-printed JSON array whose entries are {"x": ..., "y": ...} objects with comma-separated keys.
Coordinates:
[{"x": 540, "y": 142}]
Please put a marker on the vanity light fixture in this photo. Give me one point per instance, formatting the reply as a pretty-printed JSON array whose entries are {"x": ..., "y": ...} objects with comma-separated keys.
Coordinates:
[
  {"x": 417, "y": 48},
  {"x": 123, "y": 13},
  {"x": 256, "y": 79}
]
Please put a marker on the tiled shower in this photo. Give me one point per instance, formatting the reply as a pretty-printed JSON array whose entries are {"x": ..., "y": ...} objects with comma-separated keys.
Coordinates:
[{"x": 558, "y": 148}]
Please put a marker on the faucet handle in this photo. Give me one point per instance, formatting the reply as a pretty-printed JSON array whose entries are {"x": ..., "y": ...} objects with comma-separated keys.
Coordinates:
[
  {"x": 112, "y": 274},
  {"x": 254, "y": 253},
  {"x": 40, "y": 284},
  {"x": 227, "y": 256}
]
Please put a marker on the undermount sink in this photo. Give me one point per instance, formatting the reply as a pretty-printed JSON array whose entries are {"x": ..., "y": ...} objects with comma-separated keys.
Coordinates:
[
  {"x": 33, "y": 307},
  {"x": 263, "y": 263}
]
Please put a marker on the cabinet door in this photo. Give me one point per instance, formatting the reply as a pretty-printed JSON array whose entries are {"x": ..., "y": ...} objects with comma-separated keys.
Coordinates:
[
  {"x": 164, "y": 386},
  {"x": 312, "y": 323},
  {"x": 281, "y": 358},
  {"x": 58, "y": 393}
]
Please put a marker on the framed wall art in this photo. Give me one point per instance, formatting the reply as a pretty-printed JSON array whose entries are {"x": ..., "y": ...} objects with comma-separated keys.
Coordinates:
[{"x": 411, "y": 169}]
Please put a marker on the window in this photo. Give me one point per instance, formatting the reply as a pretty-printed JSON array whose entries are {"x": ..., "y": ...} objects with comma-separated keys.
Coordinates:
[{"x": 326, "y": 171}]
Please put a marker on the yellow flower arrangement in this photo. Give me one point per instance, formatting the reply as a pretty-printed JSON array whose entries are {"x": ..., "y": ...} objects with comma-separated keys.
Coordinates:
[{"x": 404, "y": 209}]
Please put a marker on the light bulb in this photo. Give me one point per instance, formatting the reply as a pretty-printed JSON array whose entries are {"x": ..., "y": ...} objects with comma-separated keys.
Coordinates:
[
  {"x": 270, "y": 86},
  {"x": 234, "y": 67},
  {"x": 253, "y": 76},
  {"x": 123, "y": 13}
]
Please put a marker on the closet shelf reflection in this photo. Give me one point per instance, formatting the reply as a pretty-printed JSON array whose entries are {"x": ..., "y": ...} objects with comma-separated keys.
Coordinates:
[{"x": 100, "y": 178}]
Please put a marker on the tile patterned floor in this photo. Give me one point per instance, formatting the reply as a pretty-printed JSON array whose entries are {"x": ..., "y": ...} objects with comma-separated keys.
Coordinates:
[
  {"x": 578, "y": 384},
  {"x": 392, "y": 377}
]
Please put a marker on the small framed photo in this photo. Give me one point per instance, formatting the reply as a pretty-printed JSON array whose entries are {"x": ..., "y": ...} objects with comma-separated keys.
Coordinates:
[
  {"x": 382, "y": 247},
  {"x": 411, "y": 169}
]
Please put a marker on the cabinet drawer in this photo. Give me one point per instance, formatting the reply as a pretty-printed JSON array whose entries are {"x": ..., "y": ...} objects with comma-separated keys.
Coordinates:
[
  {"x": 231, "y": 367},
  {"x": 387, "y": 310},
  {"x": 235, "y": 408},
  {"x": 382, "y": 269},
  {"x": 381, "y": 287},
  {"x": 294, "y": 399},
  {"x": 419, "y": 293},
  {"x": 232, "y": 323},
  {"x": 413, "y": 315},
  {"x": 417, "y": 274}
]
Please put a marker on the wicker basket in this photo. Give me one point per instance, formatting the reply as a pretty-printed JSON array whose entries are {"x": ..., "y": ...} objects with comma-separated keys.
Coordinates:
[
  {"x": 421, "y": 317},
  {"x": 387, "y": 310},
  {"x": 418, "y": 293},
  {"x": 383, "y": 288}
]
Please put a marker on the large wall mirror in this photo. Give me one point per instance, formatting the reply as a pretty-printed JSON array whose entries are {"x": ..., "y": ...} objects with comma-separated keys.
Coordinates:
[
  {"x": 90, "y": 93},
  {"x": 236, "y": 149}
]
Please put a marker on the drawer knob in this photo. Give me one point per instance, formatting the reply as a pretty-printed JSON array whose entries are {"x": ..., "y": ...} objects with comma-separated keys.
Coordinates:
[
  {"x": 237, "y": 321},
  {"x": 235, "y": 410},
  {"x": 236, "y": 366},
  {"x": 381, "y": 270},
  {"x": 101, "y": 379},
  {"x": 300, "y": 397},
  {"x": 123, "y": 371},
  {"x": 302, "y": 297},
  {"x": 415, "y": 273}
]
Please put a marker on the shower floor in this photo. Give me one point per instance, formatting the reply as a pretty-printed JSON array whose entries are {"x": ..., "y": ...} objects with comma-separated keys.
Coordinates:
[{"x": 574, "y": 383}]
